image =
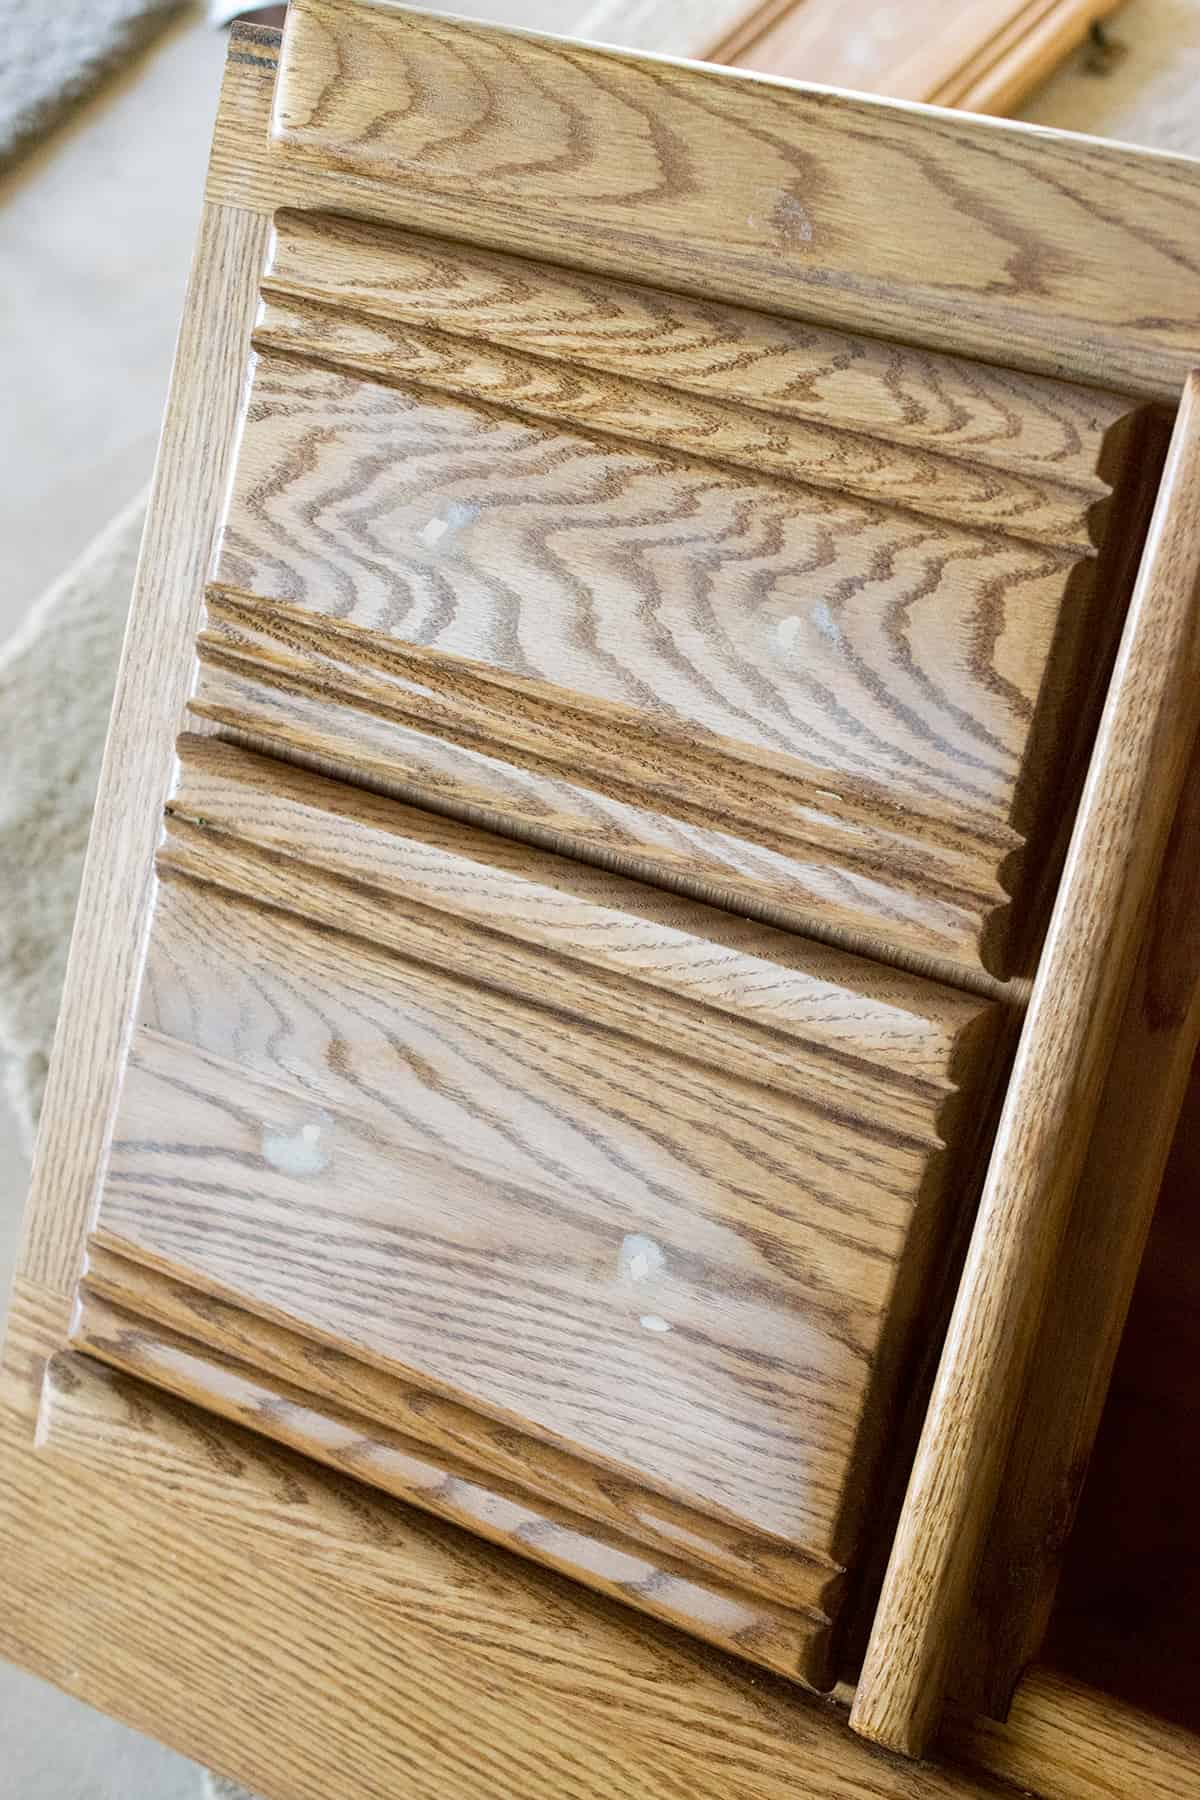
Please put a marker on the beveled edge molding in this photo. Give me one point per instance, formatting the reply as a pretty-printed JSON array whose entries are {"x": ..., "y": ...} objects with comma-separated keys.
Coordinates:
[
  {"x": 750, "y": 1595},
  {"x": 896, "y": 1054},
  {"x": 450, "y": 734},
  {"x": 1087, "y": 968},
  {"x": 989, "y": 450}
]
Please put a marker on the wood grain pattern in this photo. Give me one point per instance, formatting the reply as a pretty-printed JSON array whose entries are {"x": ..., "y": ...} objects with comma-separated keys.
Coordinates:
[
  {"x": 876, "y": 691},
  {"x": 665, "y": 1527},
  {"x": 984, "y": 56},
  {"x": 356, "y": 706},
  {"x": 605, "y": 162},
  {"x": 156, "y": 671},
  {"x": 933, "y": 434},
  {"x": 1085, "y": 1318},
  {"x": 848, "y": 1037},
  {"x": 398, "y": 1630},
  {"x": 536, "y": 1138},
  {"x": 1143, "y": 749},
  {"x": 1065, "y": 1741},
  {"x": 794, "y": 1642},
  {"x": 577, "y": 1116}
]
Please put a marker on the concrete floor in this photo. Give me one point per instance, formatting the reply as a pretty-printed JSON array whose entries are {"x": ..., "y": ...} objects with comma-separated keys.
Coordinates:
[{"x": 96, "y": 229}]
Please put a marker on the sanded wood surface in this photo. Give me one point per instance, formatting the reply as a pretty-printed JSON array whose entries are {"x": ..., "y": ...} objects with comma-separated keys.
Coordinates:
[
  {"x": 514, "y": 1187},
  {"x": 813, "y": 206},
  {"x": 793, "y": 1640},
  {"x": 1143, "y": 750},
  {"x": 983, "y": 56},
  {"x": 151, "y": 1301},
  {"x": 657, "y": 604},
  {"x": 156, "y": 671},
  {"x": 935, "y": 434}
]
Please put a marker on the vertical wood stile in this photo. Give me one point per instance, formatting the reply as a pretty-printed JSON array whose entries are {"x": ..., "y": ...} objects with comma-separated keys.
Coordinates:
[{"x": 1142, "y": 750}]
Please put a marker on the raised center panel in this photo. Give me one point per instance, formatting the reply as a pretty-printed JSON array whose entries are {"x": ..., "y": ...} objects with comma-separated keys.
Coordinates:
[
  {"x": 812, "y": 626},
  {"x": 630, "y": 748}
]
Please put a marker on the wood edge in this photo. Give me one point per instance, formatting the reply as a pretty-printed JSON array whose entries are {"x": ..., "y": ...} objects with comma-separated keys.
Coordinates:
[
  {"x": 794, "y": 1642},
  {"x": 157, "y": 1300},
  {"x": 1110, "y": 1221},
  {"x": 1066, "y": 1741},
  {"x": 1086, "y": 969},
  {"x": 113, "y": 915},
  {"x": 245, "y": 151}
]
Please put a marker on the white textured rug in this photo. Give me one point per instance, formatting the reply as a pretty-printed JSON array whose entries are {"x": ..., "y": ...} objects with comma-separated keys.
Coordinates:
[
  {"x": 53, "y": 51},
  {"x": 56, "y": 684}
]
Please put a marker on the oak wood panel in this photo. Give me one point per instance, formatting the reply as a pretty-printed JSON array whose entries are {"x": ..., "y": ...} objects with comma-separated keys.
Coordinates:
[
  {"x": 633, "y": 1225},
  {"x": 342, "y": 702},
  {"x": 156, "y": 670},
  {"x": 1085, "y": 1318},
  {"x": 851, "y": 1037},
  {"x": 665, "y": 1527},
  {"x": 1143, "y": 748},
  {"x": 401, "y": 1628},
  {"x": 662, "y": 625},
  {"x": 983, "y": 446},
  {"x": 794, "y": 1642},
  {"x": 1066, "y": 1741},
  {"x": 810, "y": 205}
]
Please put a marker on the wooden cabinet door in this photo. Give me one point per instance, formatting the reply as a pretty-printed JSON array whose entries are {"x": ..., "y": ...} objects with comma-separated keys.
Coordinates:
[{"x": 596, "y": 752}]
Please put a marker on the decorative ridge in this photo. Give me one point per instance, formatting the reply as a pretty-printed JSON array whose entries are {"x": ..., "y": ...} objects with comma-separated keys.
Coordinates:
[{"x": 875, "y": 1047}]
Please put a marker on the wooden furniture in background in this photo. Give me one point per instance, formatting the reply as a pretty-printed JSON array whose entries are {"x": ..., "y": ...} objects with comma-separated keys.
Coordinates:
[
  {"x": 984, "y": 56},
  {"x": 591, "y": 773}
]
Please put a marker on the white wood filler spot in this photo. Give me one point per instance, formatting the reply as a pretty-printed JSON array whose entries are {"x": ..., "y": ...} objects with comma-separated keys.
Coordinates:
[
  {"x": 296, "y": 1153},
  {"x": 639, "y": 1258},
  {"x": 653, "y": 1322}
]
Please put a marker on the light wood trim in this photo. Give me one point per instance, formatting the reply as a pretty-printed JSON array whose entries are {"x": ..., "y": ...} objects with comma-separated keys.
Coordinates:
[
  {"x": 1014, "y": 62},
  {"x": 1065, "y": 1741},
  {"x": 1143, "y": 746},
  {"x": 983, "y": 56},
  {"x": 113, "y": 916},
  {"x": 1102, "y": 1253},
  {"x": 804, "y": 202}
]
